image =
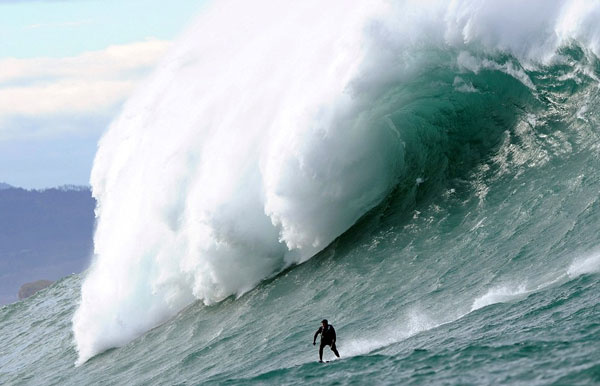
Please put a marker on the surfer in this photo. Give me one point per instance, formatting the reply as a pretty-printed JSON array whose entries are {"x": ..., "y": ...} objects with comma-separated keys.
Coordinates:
[{"x": 327, "y": 338}]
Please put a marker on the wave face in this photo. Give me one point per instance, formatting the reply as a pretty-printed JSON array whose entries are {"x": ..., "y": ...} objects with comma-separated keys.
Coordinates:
[{"x": 273, "y": 127}]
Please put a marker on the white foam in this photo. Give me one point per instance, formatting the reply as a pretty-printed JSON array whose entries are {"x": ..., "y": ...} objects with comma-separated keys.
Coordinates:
[
  {"x": 507, "y": 293},
  {"x": 501, "y": 294},
  {"x": 463, "y": 86},
  {"x": 584, "y": 265},
  {"x": 415, "y": 323}
]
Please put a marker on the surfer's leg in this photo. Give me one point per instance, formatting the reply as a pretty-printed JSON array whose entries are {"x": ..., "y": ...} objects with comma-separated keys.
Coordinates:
[
  {"x": 335, "y": 351},
  {"x": 321, "y": 352}
]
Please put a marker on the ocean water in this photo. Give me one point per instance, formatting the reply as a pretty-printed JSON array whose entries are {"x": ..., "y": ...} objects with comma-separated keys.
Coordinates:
[{"x": 424, "y": 175}]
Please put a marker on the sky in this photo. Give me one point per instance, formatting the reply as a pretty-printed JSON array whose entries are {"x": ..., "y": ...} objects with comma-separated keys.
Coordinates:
[{"x": 66, "y": 67}]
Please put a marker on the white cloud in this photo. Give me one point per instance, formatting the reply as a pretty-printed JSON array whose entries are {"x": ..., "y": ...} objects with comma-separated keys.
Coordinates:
[
  {"x": 63, "y": 96},
  {"x": 110, "y": 62},
  {"x": 91, "y": 83}
]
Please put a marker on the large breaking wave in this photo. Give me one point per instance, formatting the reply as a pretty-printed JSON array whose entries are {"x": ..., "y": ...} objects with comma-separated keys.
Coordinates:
[{"x": 273, "y": 126}]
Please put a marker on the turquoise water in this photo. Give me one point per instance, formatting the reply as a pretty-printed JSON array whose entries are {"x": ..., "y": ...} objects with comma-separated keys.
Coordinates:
[{"x": 480, "y": 266}]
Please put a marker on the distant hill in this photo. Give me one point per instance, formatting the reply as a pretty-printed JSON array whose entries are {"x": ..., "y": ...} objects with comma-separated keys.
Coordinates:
[
  {"x": 44, "y": 234},
  {"x": 29, "y": 289}
]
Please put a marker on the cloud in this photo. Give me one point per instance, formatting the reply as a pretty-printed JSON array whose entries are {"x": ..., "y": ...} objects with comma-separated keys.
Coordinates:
[
  {"x": 63, "y": 96},
  {"x": 91, "y": 84},
  {"x": 110, "y": 62}
]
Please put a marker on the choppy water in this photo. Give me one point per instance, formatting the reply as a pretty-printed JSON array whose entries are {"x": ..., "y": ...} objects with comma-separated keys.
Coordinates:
[{"x": 478, "y": 263}]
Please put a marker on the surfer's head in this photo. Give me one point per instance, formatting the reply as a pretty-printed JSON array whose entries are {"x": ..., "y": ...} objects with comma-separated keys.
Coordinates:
[{"x": 324, "y": 322}]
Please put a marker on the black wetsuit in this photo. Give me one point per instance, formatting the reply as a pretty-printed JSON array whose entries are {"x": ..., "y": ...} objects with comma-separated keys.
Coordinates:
[{"x": 327, "y": 339}]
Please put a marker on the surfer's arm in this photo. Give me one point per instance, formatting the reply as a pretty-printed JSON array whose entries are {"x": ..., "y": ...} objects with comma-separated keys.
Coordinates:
[
  {"x": 316, "y": 334},
  {"x": 333, "y": 334}
]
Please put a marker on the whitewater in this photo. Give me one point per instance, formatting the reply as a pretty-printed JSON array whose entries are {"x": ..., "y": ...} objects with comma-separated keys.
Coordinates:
[{"x": 425, "y": 175}]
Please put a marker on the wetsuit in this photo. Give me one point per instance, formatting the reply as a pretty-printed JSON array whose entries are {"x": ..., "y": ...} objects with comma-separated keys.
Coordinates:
[{"x": 327, "y": 339}]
